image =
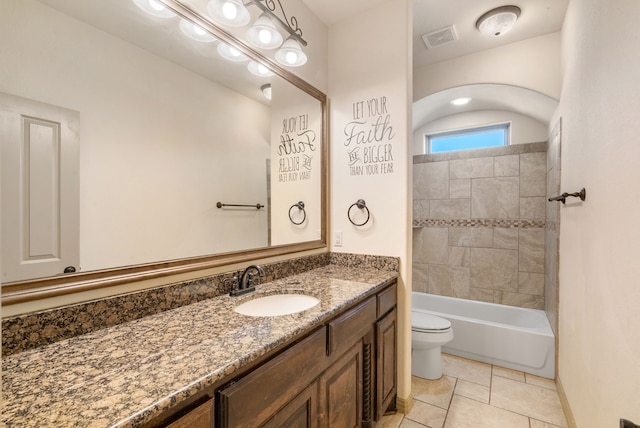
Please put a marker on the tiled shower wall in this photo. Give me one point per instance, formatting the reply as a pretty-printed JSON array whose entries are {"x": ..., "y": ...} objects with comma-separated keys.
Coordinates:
[
  {"x": 552, "y": 229},
  {"x": 479, "y": 224}
]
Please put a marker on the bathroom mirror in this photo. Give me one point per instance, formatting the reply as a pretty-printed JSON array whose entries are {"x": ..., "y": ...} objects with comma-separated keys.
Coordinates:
[{"x": 183, "y": 163}]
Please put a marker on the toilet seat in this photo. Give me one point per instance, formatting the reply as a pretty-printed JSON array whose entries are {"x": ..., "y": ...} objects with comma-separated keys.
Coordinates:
[{"x": 427, "y": 323}]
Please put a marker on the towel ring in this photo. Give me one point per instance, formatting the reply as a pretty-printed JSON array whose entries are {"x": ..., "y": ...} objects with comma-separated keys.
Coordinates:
[
  {"x": 360, "y": 203},
  {"x": 300, "y": 206}
]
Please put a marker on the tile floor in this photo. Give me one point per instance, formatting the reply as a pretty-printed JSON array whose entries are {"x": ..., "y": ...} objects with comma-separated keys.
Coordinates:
[{"x": 479, "y": 395}]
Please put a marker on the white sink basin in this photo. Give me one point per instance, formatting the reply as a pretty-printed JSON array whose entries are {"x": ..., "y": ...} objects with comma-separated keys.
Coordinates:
[{"x": 276, "y": 304}]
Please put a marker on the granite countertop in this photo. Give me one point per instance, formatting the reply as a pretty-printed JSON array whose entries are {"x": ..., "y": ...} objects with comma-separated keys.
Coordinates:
[{"x": 128, "y": 374}]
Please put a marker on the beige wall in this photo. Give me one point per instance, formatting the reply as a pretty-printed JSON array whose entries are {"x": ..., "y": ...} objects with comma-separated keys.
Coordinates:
[
  {"x": 370, "y": 61},
  {"x": 599, "y": 355},
  {"x": 532, "y": 64}
]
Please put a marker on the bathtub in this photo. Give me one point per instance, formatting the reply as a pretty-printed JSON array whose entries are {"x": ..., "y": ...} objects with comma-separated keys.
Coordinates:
[{"x": 507, "y": 336}]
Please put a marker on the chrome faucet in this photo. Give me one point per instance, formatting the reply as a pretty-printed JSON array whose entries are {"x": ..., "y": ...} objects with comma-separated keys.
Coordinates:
[{"x": 246, "y": 284}]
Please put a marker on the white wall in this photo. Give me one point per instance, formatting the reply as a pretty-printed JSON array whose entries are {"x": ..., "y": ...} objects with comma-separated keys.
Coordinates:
[
  {"x": 524, "y": 129},
  {"x": 532, "y": 64},
  {"x": 599, "y": 312},
  {"x": 156, "y": 151},
  {"x": 369, "y": 63}
]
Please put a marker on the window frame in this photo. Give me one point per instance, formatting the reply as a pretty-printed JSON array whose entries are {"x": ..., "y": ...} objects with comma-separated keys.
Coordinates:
[{"x": 505, "y": 126}]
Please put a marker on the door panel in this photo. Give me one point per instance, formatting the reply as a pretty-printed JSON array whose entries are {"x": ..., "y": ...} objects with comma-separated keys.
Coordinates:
[{"x": 40, "y": 189}]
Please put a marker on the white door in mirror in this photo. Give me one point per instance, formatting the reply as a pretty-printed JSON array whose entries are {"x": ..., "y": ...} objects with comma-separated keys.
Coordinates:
[{"x": 277, "y": 304}]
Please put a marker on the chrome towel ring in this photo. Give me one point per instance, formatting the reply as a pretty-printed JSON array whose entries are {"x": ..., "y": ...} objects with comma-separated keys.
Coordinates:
[
  {"x": 300, "y": 206},
  {"x": 361, "y": 204}
]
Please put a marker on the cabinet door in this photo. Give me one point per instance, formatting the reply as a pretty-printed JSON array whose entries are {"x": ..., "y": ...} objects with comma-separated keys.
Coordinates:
[
  {"x": 200, "y": 417},
  {"x": 301, "y": 412},
  {"x": 386, "y": 362},
  {"x": 256, "y": 398},
  {"x": 341, "y": 391}
]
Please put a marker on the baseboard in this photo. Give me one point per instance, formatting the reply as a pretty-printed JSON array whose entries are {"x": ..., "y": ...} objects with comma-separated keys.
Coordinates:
[
  {"x": 571, "y": 422},
  {"x": 404, "y": 405}
]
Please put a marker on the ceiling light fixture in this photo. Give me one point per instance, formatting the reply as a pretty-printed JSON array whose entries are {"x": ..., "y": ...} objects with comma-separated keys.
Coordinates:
[
  {"x": 229, "y": 12},
  {"x": 290, "y": 54},
  {"x": 196, "y": 32},
  {"x": 263, "y": 33},
  {"x": 155, "y": 8},
  {"x": 460, "y": 101},
  {"x": 231, "y": 53},
  {"x": 498, "y": 21},
  {"x": 266, "y": 90},
  {"x": 259, "y": 69}
]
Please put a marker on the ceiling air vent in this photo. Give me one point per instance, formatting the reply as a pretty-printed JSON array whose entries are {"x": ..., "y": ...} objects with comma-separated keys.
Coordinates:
[{"x": 440, "y": 37}]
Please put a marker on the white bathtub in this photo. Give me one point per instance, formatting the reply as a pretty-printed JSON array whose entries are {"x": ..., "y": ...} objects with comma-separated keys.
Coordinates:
[{"x": 507, "y": 336}]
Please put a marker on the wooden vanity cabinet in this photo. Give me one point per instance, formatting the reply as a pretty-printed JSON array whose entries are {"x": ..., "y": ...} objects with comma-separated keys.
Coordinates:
[{"x": 341, "y": 375}]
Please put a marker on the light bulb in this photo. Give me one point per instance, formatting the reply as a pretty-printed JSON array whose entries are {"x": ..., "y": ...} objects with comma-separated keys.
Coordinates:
[
  {"x": 264, "y": 36},
  {"x": 229, "y": 10},
  {"x": 291, "y": 57},
  {"x": 156, "y": 5},
  {"x": 199, "y": 31},
  {"x": 262, "y": 69},
  {"x": 234, "y": 52}
]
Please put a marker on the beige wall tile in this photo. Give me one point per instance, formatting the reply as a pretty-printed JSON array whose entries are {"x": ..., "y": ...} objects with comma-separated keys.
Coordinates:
[
  {"x": 420, "y": 277},
  {"x": 471, "y": 168},
  {"x": 460, "y": 188},
  {"x": 495, "y": 198},
  {"x": 533, "y": 174},
  {"x": 533, "y": 207},
  {"x": 531, "y": 250},
  {"x": 481, "y": 295},
  {"x": 420, "y": 209},
  {"x": 494, "y": 269},
  {"x": 507, "y": 166},
  {"x": 531, "y": 283},
  {"x": 459, "y": 256},
  {"x": 430, "y": 245},
  {"x": 450, "y": 281},
  {"x": 506, "y": 238},
  {"x": 518, "y": 299},
  {"x": 431, "y": 180},
  {"x": 471, "y": 237},
  {"x": 450, "y": 209}
]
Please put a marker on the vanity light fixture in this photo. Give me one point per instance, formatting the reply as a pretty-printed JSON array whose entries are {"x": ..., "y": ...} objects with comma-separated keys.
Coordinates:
[
  {"x": 263, "y": 33},
  {"x": 196, "y": 32},
  {"x": 266, "y": 90},
  {"x": 155, "y": 8},
  {"x": 231, "y": 53},
  {"x": 460, "y": 101},
  {"x": 229, "y": 12},
  {"x": 498, "y": 21},
  {"x": 291, "y": 54},
  {"x": 259, "y": 69}
]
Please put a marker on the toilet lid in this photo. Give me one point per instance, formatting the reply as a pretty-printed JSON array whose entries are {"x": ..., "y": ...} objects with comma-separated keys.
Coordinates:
[{"x": 421, "y": 321}]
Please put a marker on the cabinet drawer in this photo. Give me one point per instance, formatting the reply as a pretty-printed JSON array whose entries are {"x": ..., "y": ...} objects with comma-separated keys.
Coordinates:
[
  {"x": 346, "y": 329},
  {"x": 387, "y": 299},
  {"x": 257, "y": 397}
]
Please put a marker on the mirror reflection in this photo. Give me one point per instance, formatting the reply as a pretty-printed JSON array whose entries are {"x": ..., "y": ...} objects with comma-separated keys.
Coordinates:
[{"x": 137, "y": 127}]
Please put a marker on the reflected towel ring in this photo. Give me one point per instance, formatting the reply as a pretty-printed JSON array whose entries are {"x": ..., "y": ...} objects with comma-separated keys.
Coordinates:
[
  {"x": 300, "y": 206},
  {"x": 360, "y": 203}
]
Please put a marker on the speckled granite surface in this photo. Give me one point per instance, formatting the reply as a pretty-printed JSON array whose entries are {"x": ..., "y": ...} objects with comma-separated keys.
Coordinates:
[
  {"x": 30, "y": 331},
  {"x": 127, "y": 374}
]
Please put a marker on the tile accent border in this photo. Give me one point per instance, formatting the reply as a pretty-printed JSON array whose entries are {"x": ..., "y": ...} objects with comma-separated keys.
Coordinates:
[
  {"x": 505, "y": 223},
  {"x": 516, "y": 149},
  {"x": 29, "y": 331}
]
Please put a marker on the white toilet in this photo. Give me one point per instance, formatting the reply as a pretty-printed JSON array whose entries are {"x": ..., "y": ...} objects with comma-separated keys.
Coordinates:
[{"x": 428, "y": 334}]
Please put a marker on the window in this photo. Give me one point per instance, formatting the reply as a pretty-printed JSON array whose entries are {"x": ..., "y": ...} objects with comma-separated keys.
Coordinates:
[{"x": 474, "y": 138}]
